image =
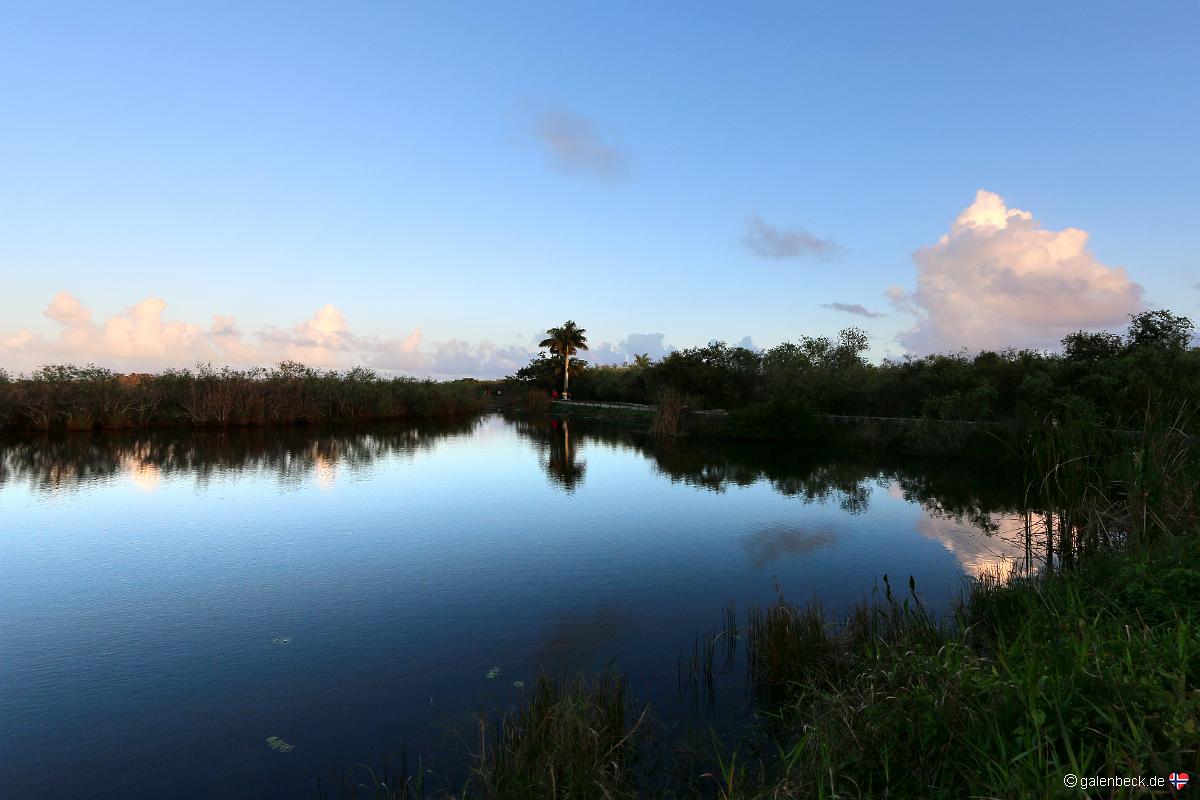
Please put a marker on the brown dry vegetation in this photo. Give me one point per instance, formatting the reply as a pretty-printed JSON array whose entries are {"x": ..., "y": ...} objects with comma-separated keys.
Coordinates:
[{"x": 67, "y": 397}]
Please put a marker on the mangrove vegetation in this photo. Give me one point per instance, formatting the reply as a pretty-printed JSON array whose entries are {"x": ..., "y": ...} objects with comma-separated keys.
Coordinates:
[{"x": 1098, "y": 377}]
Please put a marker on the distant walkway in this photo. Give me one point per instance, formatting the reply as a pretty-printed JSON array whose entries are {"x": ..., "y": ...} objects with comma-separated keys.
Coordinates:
[
  {"x": 567, "y": 404},
  {"x": 636, "y": 408}
]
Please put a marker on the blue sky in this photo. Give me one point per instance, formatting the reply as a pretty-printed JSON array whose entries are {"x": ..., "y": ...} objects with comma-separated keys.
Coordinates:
[{"x": 473, "y": 173}]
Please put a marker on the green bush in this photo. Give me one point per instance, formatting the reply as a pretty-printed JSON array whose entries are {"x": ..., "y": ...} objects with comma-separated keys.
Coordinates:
[
  {"x": 1115, "y": 376},
  {"x": 777, "y": 419}
]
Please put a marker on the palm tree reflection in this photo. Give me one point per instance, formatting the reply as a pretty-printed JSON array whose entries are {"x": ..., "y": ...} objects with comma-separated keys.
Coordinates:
[{"x": 562, "y": 466}]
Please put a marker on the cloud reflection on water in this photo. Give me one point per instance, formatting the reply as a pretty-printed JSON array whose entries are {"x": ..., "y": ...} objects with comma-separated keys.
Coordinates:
[
  {"x": 779, "y": 541},
  {"x": 998, "y": 554}
]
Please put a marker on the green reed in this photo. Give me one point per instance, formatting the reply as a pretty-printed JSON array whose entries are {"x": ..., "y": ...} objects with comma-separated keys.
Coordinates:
[
  {"x": 571, "y": 738},
  {"x": 84, "y": 398}
]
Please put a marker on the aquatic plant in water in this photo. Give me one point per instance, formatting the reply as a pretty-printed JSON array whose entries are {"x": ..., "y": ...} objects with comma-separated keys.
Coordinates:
[
  {"x": 279, "y": 745},
  {"x": 493, "y": 672}
]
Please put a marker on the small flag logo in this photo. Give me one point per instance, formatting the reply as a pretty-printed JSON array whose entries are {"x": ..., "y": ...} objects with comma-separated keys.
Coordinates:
[{"x": 1178, "y": 780}]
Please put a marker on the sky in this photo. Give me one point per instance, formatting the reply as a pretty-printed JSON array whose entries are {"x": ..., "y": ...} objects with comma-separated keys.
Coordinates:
[{"x": 426, "y": 187}]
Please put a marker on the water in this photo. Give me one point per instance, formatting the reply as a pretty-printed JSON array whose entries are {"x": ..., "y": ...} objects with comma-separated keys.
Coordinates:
[{"x": 170, "y": 601}]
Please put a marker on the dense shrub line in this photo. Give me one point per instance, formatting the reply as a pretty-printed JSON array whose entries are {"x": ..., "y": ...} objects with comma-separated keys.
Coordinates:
[
  {"x": 84, "y": 398},
  {"x": 1098, "y": 376}
]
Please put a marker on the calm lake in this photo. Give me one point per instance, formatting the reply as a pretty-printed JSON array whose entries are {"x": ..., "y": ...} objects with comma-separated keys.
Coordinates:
[{"x": 170, "y": 600}]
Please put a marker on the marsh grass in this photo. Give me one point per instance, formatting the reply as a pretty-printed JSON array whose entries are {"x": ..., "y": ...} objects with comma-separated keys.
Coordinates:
[
  {"x": 1090, "y": 670},
  {"x": 669, "y": 411},
  {"x": 713, "y": 653},
  {"x": 537, "y": 401},
  {"x": 394, "y": 780},
  {"x": 67, "y": 397},
  {"x": 571, "y": 738}
]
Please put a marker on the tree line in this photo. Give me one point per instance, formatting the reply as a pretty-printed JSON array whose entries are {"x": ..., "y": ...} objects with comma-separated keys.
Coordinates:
[{"x": 1097, "y": 376}]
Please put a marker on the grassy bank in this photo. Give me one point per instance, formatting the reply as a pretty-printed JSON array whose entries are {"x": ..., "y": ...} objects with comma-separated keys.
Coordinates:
[
  {"x": 1091, "y": 672},
  {"x": 1087, "y": 666},
  {"x": 86, "y": 398}
]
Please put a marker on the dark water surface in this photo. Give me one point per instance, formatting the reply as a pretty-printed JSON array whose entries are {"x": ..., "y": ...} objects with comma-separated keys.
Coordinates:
[{"x": 169, "y": 600}]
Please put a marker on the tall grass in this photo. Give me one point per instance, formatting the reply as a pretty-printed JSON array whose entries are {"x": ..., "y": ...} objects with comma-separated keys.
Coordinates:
[
  {"x": 1093, "y": 671},
  {"x": 1102, "y": 490},
  {"x": 669, "y": 411},
  {"x": 537, "y": 401},
  {"x": 83, "y": 398},
  {"x": 572, "y": 738}
]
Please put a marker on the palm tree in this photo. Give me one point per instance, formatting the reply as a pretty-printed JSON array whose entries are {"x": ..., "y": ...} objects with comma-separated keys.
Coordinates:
[{"x": 566, "y": 340}]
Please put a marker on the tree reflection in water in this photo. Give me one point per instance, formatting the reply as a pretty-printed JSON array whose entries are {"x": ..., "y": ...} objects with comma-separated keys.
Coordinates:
[
  {"x": 961, "y": 496},
  {"x": 292, "y": 454}
]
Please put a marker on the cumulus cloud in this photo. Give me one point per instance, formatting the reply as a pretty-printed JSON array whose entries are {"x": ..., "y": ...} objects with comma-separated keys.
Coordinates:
[
  {"x": 574, "y": 146},
  {"x": 853, "y": 308},
  {"x": 767, "y": 241},
  {"x": 141, "y": 338},
  {"x": 456, "y": 358},
  {"x": 135, "y": 337},
  {"x": 635, "y": 344},
  {"x": 324, "y": 340},
  {"x": 999, "y": 278},
  {"x": 651, "y": 344},
  {"x": 66, "y": 310},
  {"x": 400, "y": 355}
]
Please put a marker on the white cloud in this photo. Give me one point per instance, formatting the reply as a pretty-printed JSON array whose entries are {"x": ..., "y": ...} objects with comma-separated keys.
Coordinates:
[
  {"x": 400, "y": 355},
  {"x": 998, "y": 278},
  {"x": 746, "y": 342},
  {"x": 141, "y": 338},
  {"x": 651, "y": 344},
  {"x": 456, "y": 358}
]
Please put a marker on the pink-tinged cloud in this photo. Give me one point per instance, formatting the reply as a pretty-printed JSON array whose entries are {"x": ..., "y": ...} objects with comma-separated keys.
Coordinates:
[
  {"x": 68, "y": 311},
  {"x": 999, "y": 279},
  {"x": 141, "y": 338},
  {"x": 138, "y": 337}
]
